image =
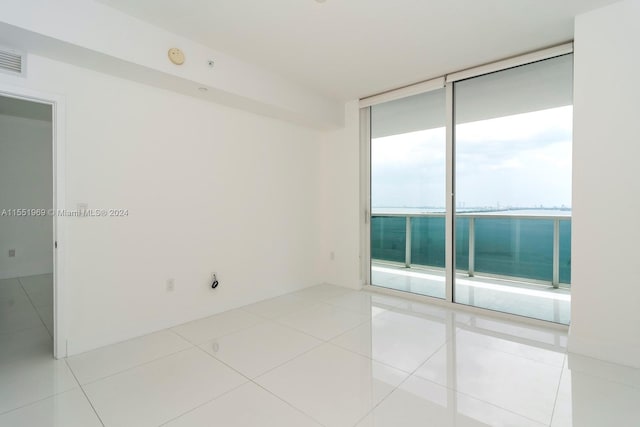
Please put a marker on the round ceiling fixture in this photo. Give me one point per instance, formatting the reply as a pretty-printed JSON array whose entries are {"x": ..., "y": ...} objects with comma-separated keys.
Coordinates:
[{"x": 176, "y": 56}]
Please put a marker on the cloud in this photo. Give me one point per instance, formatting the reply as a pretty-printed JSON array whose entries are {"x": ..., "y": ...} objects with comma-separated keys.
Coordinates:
[{"x": 519, "y": 160}]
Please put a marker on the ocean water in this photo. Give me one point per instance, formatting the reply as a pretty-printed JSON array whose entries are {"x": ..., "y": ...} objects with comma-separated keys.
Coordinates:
[{"x": 505, "y": 246}]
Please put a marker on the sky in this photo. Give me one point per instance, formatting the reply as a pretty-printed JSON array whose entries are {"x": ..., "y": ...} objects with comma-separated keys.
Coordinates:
[{"x": 522, "y": 160}]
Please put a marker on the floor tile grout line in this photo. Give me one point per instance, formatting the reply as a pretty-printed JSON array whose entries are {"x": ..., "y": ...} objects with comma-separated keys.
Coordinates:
[
  {"x": 16, "y": 331},
  {"x": 33, "y": 402},
  {"x": 315, "y": 346},
  {"x": 190, "y": 343},
  {"x": 289, "y": 312},
  {"x": 511, "y": 411},
  {"x": 333, "y": 337},
  {"x": 478, "y": 399},
  {"x": 326, "y": 340},
  {"x": 84, "y": 393},
  {"x": 555, "y": 400},
  {"x": 339, "y": 348},
  {"x": 291, "y": 405},
  {"x": 35, "y": 309},
  {"x": 357, "y": 311},
  {"x": 173, "y": 353},
  {"x": 409, "y": 375},
  {"x": 219, "y": 336},
  {"x": 164, "y": 423},
  {"x": 455, "y": 389},
  {"x": 252, "y": 380},
  {"x": 219, "y": 396},
  {"x": 530, "y": 359}
]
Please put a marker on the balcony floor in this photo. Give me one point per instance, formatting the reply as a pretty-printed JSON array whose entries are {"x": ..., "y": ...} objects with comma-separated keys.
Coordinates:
[{"x": 509, "y": 296}]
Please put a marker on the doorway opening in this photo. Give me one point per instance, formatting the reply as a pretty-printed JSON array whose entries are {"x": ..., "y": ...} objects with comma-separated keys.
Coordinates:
[{"x": 27, "y": 226}]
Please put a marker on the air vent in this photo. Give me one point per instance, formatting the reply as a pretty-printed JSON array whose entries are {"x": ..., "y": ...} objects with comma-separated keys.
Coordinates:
[{"x": 11, "y": 61}]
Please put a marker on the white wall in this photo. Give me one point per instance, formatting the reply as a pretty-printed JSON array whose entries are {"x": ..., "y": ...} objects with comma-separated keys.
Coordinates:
[
  {"x": 208, "y": 188},
  {"x": 606, "y": 203},
  {"x": 341, "y": 202},
  {"x": 25, "y": 182}
]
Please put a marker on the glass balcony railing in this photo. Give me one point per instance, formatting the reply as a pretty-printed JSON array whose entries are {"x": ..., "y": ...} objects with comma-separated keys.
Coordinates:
[{"x": 526, "y": 247}]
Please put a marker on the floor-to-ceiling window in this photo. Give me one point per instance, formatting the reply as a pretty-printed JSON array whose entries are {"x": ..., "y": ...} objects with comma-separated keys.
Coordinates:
[
  {"x": 507, "y": 217},
  {"x": 408, "y": 147},
  {"x": 513, "y": 132}
]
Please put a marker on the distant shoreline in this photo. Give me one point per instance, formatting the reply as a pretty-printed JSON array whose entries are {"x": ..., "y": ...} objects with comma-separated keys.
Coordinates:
[{"x": 481, "y": 211}]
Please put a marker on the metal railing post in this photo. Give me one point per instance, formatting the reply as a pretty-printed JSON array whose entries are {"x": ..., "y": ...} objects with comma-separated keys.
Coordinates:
[
  {"x": 472, "y": 246},
  {"x": 407, "y": 246},
  {"x": 556, "y": 253}
]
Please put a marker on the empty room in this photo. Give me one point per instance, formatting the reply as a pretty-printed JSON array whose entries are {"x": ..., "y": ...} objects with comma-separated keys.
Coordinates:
[{"x": 319, "y": 213}]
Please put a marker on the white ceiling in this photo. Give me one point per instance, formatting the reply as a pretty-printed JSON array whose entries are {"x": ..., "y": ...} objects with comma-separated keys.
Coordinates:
[{"x": 348, "y": 49}]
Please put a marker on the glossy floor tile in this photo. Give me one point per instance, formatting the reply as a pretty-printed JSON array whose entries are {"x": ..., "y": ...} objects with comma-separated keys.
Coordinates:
[
  {"x": 25, "y": 344},
  {"x": 248, "y": 405},
  {"x": 418, "y": 403},
  {"x": 11, "y": 289},
  {"x": 161, "y": 390},
  {"x": 322, "y": 292},
  {"x": 32, "y": 378},
  {"x": 280, "y": 306},
  {"x": 68, "y": 409},
  {"x": 595, "y": 393},
  {"x": 334, "y": 386},
  {"x": 256, "y": 350},
  {"x": 45, "y": 312},
  {"x": 404, "y": 341},
  {"x": 324, "y": 321},
  {"x": 17, "y": 315},
  {"x": 366, "y": 303},
  {"x": 38, "y": 288},
  {"x": 110, "y": 360},
  {"x": 200, "y": 331},
  {"x": 325, "y": 356},
  {"x": 562, "y": 411},
  {"x": 519, "y": 383},
  {"x": 28, "y": 372}
]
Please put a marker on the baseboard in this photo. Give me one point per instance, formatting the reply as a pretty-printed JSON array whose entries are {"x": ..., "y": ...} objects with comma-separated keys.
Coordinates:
[{"x": 606, "y": 351}]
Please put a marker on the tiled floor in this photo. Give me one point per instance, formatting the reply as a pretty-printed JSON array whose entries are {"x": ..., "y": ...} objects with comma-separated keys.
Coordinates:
[
  {"x": 325, "y": 356},
  {"x": 509, "y": 296}
]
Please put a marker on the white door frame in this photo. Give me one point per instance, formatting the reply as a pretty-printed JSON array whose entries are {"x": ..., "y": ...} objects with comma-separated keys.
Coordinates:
[{"x": 57, "y": 103}]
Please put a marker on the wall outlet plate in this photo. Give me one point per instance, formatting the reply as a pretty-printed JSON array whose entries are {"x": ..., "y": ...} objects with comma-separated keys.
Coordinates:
[{"x": 12, "y": 253}]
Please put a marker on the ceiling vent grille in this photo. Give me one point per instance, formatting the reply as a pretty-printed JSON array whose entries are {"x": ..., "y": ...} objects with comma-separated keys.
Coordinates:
[{"x": 11, "y": 61}]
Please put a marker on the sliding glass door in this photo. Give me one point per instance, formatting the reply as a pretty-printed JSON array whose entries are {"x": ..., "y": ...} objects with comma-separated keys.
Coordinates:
[
  {"x": 408, "y": 146},
  {"x": 506, "y": 219},
  {"x": 513, "y": 133}
]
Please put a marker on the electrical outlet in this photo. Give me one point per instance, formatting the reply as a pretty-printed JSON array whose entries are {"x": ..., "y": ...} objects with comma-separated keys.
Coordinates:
[
  {"x": 12, "y": 253},
  {"x": 332, "y": 255},
  {"x": 214, "y": 280},
  {"x": 171, "y": 285}
]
